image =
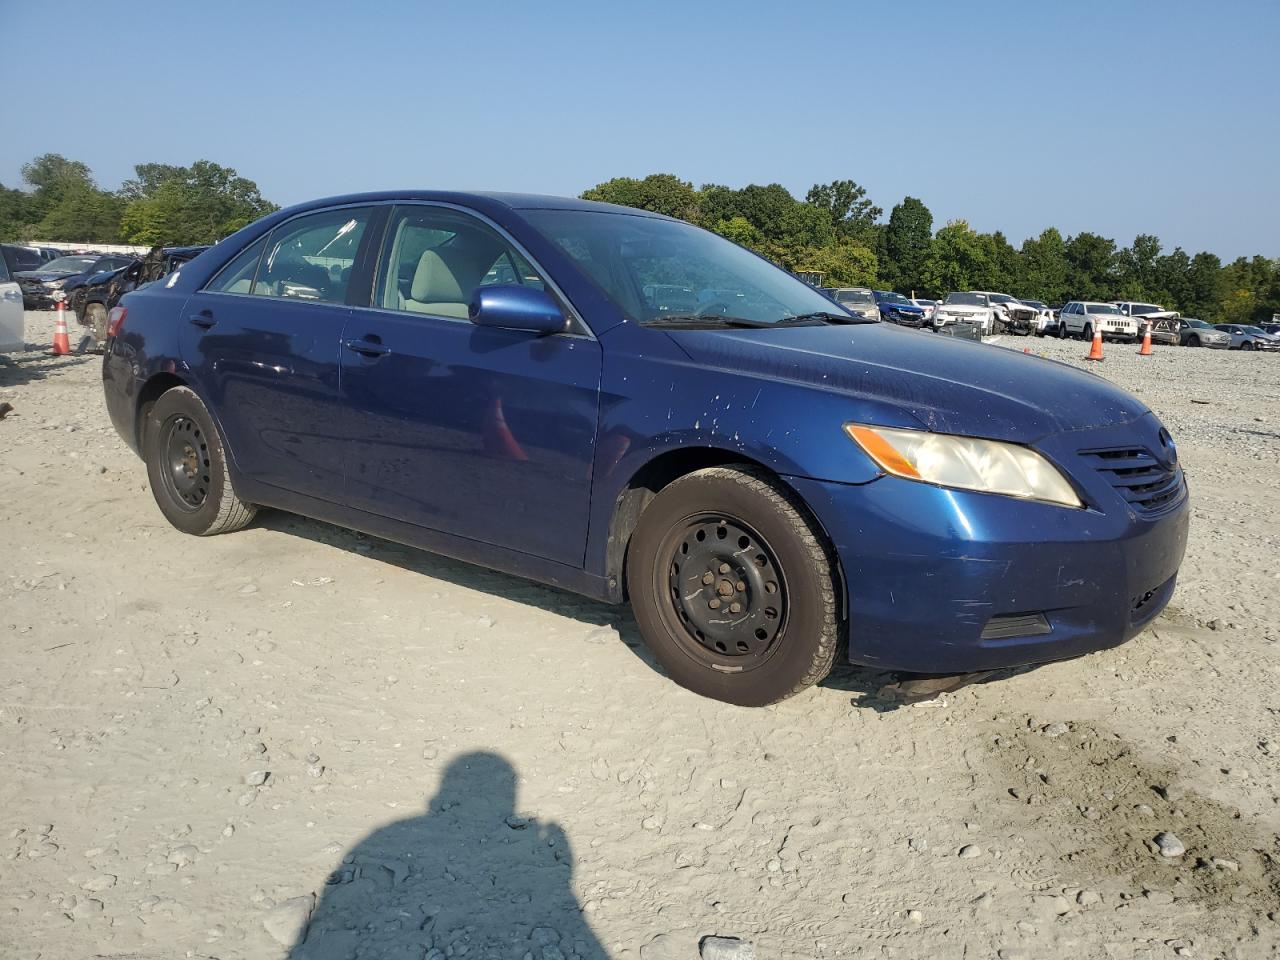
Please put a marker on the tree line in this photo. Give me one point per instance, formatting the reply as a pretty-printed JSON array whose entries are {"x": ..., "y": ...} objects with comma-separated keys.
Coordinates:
[
  {"x": 837, "y": 230},
  {"x": 162, "y": 204}
]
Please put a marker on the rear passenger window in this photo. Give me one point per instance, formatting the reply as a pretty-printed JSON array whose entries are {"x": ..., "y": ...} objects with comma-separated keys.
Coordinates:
[
  {"x": 310, "y": 257},
  {"x": 436, "y": 259},
  {"x": 237, "y": 276}
]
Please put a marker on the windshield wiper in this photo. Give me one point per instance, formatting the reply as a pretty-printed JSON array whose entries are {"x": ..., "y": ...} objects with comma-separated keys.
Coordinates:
[
  {"x": 691, "y": 321},
  {"x": 830, "y": 317}
]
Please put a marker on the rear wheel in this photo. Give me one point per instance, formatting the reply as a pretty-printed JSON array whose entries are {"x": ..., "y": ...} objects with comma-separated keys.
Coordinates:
[
  {"x": 732, "y": 587},
  {"x": 95, "y": 318},
  {"x": 187, "y": 467}
]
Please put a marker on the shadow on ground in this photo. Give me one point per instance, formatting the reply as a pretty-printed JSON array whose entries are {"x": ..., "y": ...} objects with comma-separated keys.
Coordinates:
[
  {"x": 471, "y": 876},
  {"x": 878, "y": 690},
  {"x": 17, "y": 369}
]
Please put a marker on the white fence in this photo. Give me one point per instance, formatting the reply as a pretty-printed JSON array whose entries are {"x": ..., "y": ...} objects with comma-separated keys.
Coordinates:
[{"x": 100, "y": 247}]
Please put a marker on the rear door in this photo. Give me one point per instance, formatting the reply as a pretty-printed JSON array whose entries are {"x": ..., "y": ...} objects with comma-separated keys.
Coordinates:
[
  {"x": 477, "y": 432},
  {"x": 12, "y": 318},
  {"x": 262, "y": 341}
]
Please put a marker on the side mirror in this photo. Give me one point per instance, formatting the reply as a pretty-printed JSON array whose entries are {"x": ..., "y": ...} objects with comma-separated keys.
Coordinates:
[{"x": 515, "y": 307}]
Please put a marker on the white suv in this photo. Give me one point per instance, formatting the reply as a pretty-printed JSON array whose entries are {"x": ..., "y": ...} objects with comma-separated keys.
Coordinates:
[{"x": 1080, "y": 318}]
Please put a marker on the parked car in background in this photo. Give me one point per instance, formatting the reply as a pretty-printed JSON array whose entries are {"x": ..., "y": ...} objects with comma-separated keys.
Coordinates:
[
  {"x": 1271, "y": 328},
  {"x": 896, "y": 308},
  {"x": 1045, "y": 322},
  {"x": 1080, "y": 318},
  {"x": 40, "y": 284},
  {"x": 1011, "y": 314},
  {"x": 928, "y": 306},
  {"x": 1249, "y": 337},
  {"x": 959, "y": 307},
  {"x": 92, "y": 298},
  {"x": 1145, "y": 311},
  {"x": 12, "y": 318},
  {"x": 860, "y": 301},
  {"x": 1197, "y": 333},
  {"x": 1165, "y": 331},
  {"x": 18, "y": 258},
  {"x": 766, "y": 488}
]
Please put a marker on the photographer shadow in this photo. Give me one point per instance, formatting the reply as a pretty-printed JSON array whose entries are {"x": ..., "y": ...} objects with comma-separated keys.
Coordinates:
[{"x": 469, "y": 877}]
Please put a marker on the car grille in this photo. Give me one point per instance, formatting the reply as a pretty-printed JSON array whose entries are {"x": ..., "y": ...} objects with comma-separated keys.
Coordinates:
[{"x": 1144, "y": 482}]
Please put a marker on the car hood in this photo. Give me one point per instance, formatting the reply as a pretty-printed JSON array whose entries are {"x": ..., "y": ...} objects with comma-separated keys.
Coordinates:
[
  {"x": 963, "y": 309},
  {"x": 948, "y": 385},
  {"x": 41, "y": 276},
  {"x": 908, "y": 307}
]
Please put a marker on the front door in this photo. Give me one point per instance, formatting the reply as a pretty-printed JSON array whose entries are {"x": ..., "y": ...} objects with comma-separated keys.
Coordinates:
[
  {"x": 473, "y": 431},
  {"x": 262, "y": 341}
]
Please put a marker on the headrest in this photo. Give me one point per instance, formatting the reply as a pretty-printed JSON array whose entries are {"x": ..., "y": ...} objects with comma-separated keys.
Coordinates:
[{"x": 434, "y": 282}]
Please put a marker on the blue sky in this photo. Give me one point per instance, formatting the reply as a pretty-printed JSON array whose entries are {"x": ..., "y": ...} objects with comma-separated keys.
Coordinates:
[{"x": 1116, "y": 117}]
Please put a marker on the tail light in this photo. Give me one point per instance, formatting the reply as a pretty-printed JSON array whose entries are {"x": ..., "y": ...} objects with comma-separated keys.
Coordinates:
[{"x": 115, "y": 320}]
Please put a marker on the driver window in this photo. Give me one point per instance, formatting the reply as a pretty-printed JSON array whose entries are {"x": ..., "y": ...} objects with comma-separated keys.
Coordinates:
[{"x": 436, "y": 259}]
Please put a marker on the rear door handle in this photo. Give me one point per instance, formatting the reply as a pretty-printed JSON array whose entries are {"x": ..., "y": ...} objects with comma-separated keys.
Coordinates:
[
  {"x": 204, "y": 320},
  {"x": 367, "y": 348}
]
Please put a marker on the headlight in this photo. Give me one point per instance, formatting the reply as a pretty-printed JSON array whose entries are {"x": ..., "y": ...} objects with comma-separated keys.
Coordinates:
[
  {"x": 56, "y": 284},
  {"x": 965, "y": 463}
]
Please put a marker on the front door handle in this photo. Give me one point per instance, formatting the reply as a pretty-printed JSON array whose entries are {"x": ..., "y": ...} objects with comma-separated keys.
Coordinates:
[
  {"x": 368, "y": 347},
  {"x": 204, "y": 319}
]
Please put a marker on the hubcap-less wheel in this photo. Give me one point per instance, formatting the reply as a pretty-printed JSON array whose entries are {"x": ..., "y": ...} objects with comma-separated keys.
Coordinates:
[
  {"x": 726, "y": 591},
  {"x": 186, "y": 458}
]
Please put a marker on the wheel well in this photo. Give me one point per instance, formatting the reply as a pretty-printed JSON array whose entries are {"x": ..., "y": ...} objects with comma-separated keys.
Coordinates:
[
  {"x": 147, "y": 397},
  {"x": 655, "y": 475}
]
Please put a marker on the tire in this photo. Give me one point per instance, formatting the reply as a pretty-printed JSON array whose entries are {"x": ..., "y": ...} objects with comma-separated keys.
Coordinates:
[
  {"x": 187, "y": 467},
  {"x": 1193, "y": 341},
  {"x": 1247, "y": 345},
  {"x": 1087, "y": 333},
  {"x": 753, "y": 540},
  {"x": 95, "y": 318}
]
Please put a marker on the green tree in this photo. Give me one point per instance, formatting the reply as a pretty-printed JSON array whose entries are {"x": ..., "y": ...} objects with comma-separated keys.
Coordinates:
[
  {"x": 957, "y": 260},
  {"x": 907, "y": 241},
  {"x": 1044, "y": 268},
  {"x": 844, "y": 263},
  {"x": 202, "y": 203},
  {"x": 13, "y": 213},
  {"x": 659, "y": 192},
  {"x": 1136, "y": 274},
  {"x": 1091, "y": 266},
  {"x": 1205, "y": 288},
  {"x": 66, "y": 203},
  {"x": 852, "y": 213},
  {"x": 741, "y": 232}
]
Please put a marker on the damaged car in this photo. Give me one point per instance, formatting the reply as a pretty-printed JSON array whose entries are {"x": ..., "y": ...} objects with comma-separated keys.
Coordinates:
[{"x": 765, "y": 476}]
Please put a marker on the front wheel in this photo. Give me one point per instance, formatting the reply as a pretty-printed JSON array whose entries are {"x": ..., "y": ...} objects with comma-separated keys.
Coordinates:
[
  {"x": 187, "y": 467},
  {"x": 1247, "y": 345},
  {"x": 1193, "y": 341},
  {"x": 732, "y": 587}
]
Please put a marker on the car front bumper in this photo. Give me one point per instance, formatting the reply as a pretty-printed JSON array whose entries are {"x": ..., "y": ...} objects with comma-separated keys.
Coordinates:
[{"x": 936, "y": 578}]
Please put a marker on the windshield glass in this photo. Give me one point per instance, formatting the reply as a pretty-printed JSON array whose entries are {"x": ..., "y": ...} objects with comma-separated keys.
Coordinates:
[
  {"x": 1146, "y": 308},
  {"x": 1196, "y": 323},
  {"x": 654, "y": 269},
  {"x": 967, "y": 299},
  {"x": 69, "y": 264},
  {"x": 895, "y": 298},
  {"x": 856, "y": 297},
  {"x": 1101, "y": 308},
  {"x": 1035, "y": 303},
  {"x": 1254, "y": 330},
  {"x": 1002, "y": 298}
]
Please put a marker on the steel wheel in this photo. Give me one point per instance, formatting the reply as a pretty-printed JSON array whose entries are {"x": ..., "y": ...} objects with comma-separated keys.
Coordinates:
[
  {"x": 727, "y": 595},
  {"x": 185, "y": 456}
]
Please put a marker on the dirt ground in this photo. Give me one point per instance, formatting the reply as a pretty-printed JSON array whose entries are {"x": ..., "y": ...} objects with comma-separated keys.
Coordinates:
[{"x": 219, "y": 747}]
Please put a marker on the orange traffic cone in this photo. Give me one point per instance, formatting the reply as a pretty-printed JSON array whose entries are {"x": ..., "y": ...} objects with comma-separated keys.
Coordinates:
[
  {"x": 1146, "y": 350},
  {"x": 1095, "y": 352},
  {"x": 61, "y": 342}
]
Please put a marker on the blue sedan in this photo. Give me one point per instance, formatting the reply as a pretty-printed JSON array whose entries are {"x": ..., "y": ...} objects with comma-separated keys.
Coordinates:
[
  {"x": 896, "y": 308},
  {"x": 626, "y": 406}
]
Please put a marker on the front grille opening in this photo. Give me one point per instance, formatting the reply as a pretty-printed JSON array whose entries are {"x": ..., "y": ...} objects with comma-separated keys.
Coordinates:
[
  {"x": 1008, "y": 625},
  {"x": 1138, "y": 476}
]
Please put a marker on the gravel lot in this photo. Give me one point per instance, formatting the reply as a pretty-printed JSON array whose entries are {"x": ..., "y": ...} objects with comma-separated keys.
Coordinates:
[{"x": 207, "y": 742}]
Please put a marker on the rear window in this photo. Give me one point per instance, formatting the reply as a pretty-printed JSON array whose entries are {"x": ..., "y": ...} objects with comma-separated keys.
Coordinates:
[{"x": 20, "y": 258}]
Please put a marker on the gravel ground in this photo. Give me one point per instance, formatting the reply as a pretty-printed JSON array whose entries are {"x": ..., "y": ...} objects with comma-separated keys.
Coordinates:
[{"x": 218, "y": 748}]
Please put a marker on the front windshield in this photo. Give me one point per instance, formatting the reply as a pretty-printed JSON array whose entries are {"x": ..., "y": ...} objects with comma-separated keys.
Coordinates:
[
  {"x": 1002, "y": 298},
  {"x": 1254, "y": 330},
  {"x": 662, "y": 269},
  {"x": 1035, "y": 303},
  {"x": 69, "y": 265},
  {"x": 1197, "y": 323},
  {"x": 1101, "y": 308},
  {"x": 1146, "y": 308},
  {"x": 895, "y": 298},
  {"x": 967, "y": 299}
]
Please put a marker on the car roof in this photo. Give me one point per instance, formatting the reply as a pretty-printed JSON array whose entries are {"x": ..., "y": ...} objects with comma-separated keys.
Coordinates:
[{"x": 479, "y": 200}]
